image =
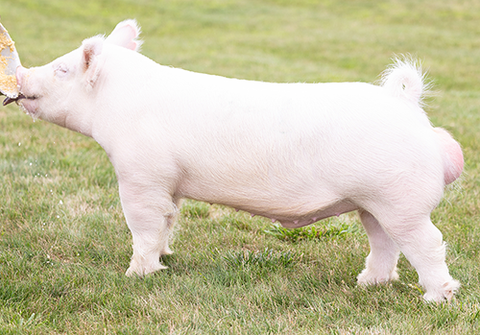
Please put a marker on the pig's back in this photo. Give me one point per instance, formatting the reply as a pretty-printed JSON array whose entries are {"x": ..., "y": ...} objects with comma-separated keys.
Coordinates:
[{"x": 293, "y": 136}]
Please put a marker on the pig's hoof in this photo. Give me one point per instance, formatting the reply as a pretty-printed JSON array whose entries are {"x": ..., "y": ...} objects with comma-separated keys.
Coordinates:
[
  {"x": 368, "y": 277},
  {"x": 138, "y": 270},
  {"x": 446, "y": 292}
]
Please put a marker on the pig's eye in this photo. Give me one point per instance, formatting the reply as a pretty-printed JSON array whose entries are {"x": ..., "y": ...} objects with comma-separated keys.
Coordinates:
[{"x": 61, "y": 70}]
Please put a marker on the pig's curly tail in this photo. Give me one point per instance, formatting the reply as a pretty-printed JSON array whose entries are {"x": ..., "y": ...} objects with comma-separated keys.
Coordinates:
[{"x": 404, "y": 78}]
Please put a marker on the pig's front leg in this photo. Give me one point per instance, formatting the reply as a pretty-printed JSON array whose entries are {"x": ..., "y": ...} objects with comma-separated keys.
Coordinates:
[
  {"x": 150, "y": 215},
  {"x": 381, "y": 263}
]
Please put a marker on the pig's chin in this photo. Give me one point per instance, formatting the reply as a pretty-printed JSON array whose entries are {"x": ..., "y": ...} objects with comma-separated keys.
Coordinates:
[{"x": 29, "y": 105}]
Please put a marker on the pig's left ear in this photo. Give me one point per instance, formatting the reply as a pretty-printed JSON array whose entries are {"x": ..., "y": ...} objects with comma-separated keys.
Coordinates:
[
  {"x": 126, "y": 35},
  {"x": 91, "y": 49}
]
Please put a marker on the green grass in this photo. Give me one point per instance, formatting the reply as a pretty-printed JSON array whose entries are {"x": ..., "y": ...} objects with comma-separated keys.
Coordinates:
[{"x": 64, "y": 243}]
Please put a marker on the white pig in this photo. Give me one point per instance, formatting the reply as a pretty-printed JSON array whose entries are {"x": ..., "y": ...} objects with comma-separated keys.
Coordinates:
[{"x": 295, "y": 153}]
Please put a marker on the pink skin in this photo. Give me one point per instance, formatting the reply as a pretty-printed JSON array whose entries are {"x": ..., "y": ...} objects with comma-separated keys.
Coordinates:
[
  {"x": 453, "y": 159},
  {"x": 453, "y": 163},
  {"x": 453, "y": 153},
  {"x": 454, "y": 156}
]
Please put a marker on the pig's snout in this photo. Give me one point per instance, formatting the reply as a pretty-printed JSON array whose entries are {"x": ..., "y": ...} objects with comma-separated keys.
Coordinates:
[{"x": 20, "y": 74}]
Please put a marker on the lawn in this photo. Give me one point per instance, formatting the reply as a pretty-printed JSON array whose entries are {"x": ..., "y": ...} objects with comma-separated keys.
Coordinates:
[{"x": 64, "y": 243}]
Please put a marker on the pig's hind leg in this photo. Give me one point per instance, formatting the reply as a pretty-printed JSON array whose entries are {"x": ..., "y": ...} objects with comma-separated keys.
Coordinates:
[
  {"x": 150, "y": 216},
  {"x": 421, "y": 243},
  {"x": 381, "y": 263}
]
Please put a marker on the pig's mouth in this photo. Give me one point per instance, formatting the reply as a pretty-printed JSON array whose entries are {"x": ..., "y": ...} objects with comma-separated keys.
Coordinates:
[{"x": 9, "y": 100}]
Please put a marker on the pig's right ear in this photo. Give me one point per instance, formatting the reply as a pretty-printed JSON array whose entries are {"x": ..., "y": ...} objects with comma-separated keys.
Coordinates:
[
  {"x": 126, "y": 35},
  {"x": 91, "y": 49}
]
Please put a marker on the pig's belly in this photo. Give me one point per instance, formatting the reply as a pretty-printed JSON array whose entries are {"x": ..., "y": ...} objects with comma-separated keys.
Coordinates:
[
  {"x": 289, "y": 212},
  {"x": 291, "y": 221}
]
